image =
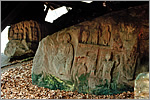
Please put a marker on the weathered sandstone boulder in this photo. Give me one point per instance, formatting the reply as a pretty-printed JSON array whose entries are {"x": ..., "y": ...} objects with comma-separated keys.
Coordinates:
[
  {"x": 25, "y": 36},
  {"x": 141, "y": 89},
  {"x": 101, "y": 56}
]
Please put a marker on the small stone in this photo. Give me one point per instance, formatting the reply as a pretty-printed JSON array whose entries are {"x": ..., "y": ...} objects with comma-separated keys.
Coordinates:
[
  {"x": 141, "y": 89},
  {"x": 87, "y": 96},
  {"x": 2, "y": 94}
]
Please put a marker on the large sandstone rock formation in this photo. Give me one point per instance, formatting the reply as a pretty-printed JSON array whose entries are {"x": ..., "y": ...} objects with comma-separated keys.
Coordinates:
[{"x": 101, "y": 56}]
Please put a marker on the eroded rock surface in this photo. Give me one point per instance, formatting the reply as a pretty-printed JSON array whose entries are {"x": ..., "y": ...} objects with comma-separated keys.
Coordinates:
[
  {"x": 25, "y": 30},
  {"x": 101, "y": 56},
  {"x": 24, "y": 37},
  {"x": 16, "y": 48}
]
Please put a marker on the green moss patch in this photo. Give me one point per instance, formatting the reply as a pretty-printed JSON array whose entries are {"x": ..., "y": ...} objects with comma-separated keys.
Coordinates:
[
  {"x": 83, "y": 83},
  {"x": 112, "y": 89},
  {"x": 52, "y": 82}
]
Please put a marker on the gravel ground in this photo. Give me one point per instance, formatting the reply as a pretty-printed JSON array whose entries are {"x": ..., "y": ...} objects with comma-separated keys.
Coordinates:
[{"x": 16, "y": 83}]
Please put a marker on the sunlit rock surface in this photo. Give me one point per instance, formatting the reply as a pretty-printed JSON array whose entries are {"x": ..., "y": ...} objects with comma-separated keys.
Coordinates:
[
  {"x": 4, "y": 60},
  {"x": 101, "y": 56},
  {"x": 17, "y": 48}
]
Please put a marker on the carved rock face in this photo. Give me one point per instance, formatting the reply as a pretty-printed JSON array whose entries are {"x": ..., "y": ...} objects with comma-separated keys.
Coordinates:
[
  {"x": 23, "y": 38},
  {"x": 25, "y": 30},
  {"x": 94, "y": 56}
]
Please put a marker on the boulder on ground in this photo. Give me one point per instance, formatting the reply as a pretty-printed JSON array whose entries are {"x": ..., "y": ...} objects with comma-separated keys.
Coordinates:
[
  {"x": 24, "y": 37},
  {"x": 98, "y": 56},
  {"x": 141, "y": 88}
]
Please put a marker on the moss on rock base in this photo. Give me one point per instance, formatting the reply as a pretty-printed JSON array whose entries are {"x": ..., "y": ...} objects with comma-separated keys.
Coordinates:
[
  {"x": 54, "y": 83},
  {"x": 51, "y": 82}
]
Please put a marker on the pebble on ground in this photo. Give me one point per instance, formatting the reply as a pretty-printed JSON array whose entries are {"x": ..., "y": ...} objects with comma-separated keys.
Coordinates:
[{"x": 16, "y": 83}]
